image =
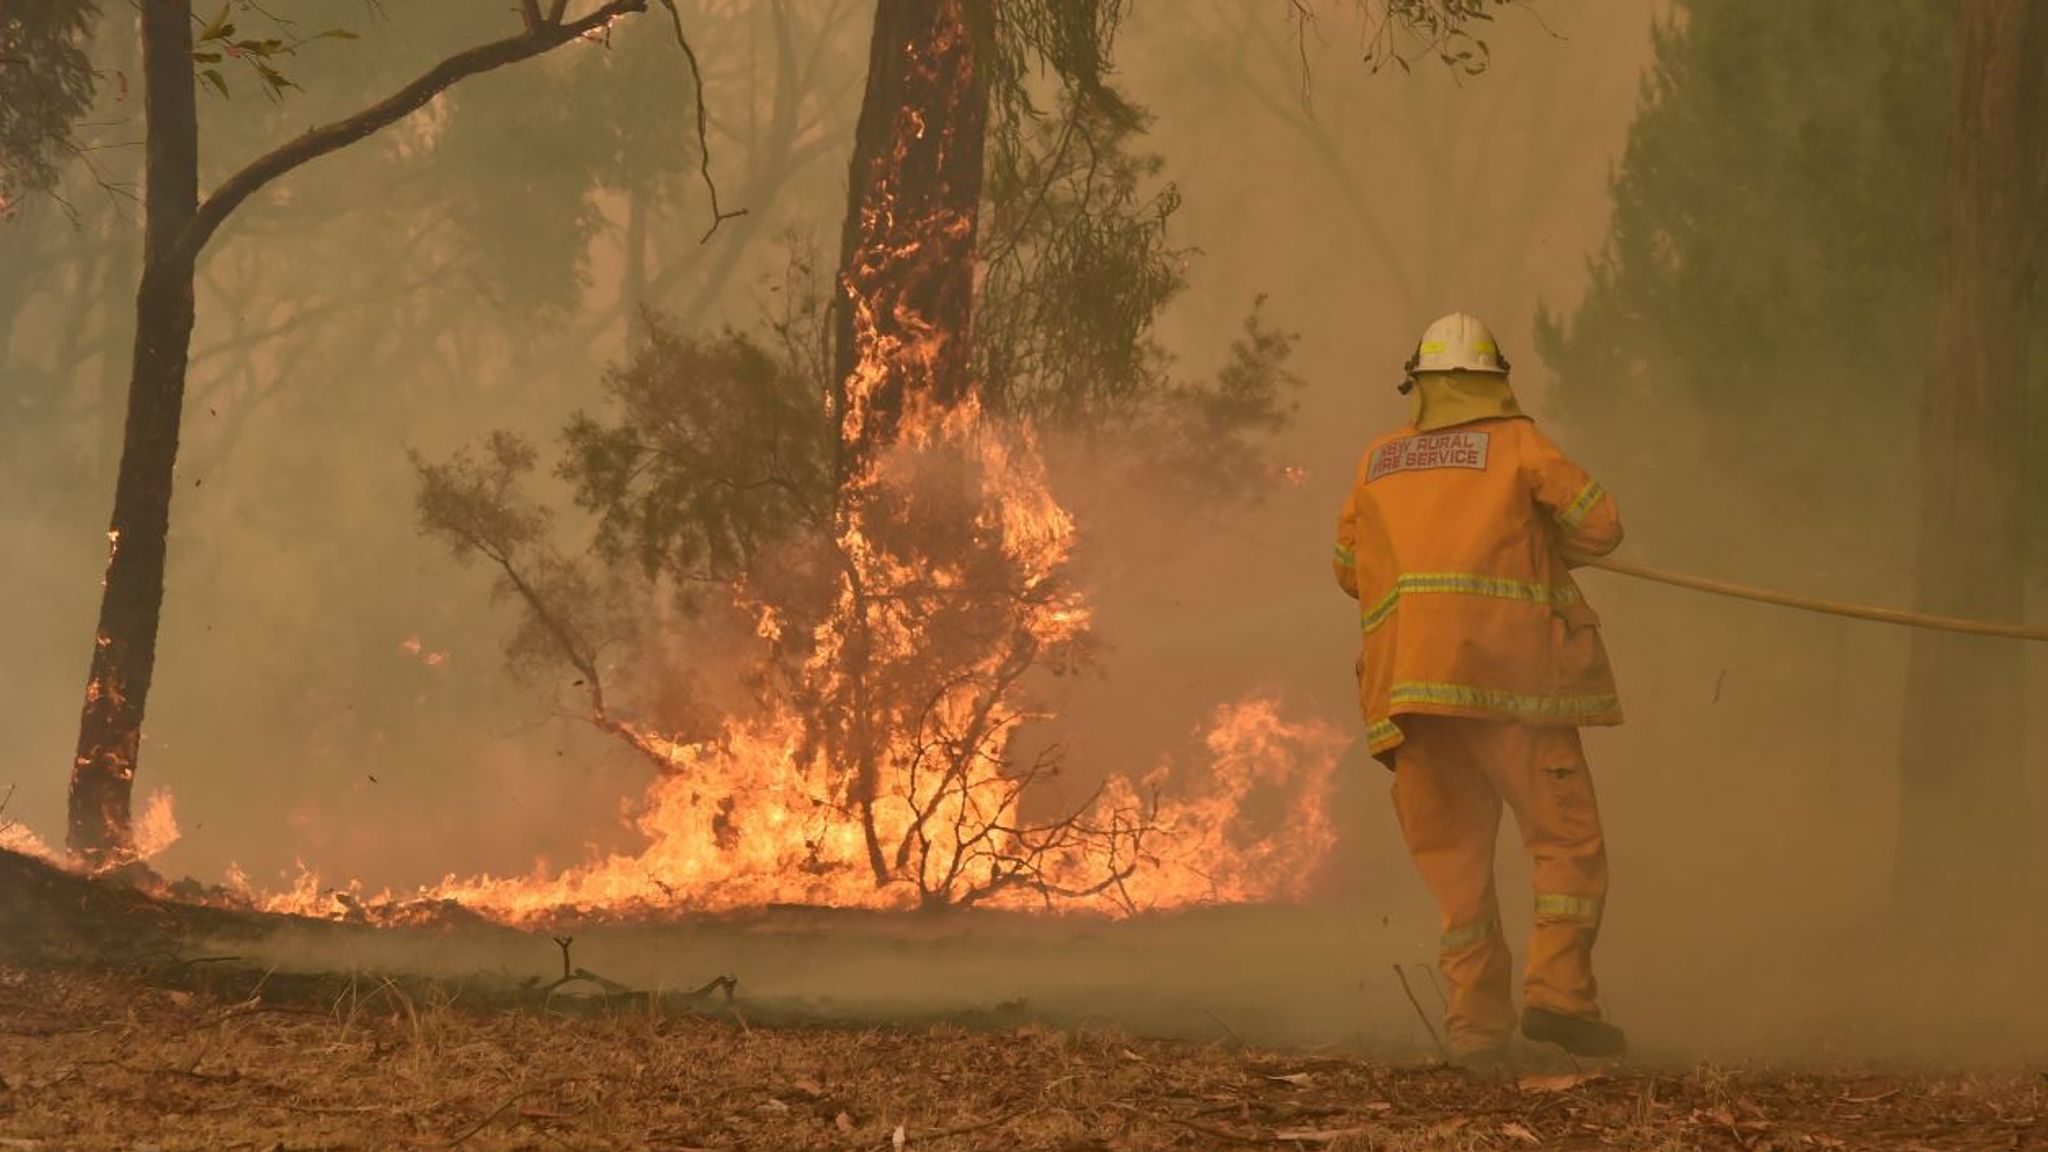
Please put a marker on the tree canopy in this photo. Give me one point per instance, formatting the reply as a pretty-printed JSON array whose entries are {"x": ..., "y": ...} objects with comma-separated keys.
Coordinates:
[
  {"x": 1761, "y": 312},
  {"x": 46, "y": 85}
]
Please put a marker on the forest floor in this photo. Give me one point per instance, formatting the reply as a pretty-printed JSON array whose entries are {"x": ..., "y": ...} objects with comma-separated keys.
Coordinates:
[{"x": 212, "y": 1058}]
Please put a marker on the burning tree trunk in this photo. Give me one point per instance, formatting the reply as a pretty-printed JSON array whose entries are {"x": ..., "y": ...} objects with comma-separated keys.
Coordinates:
[
  {"x": 178, "y": 227},
  {"x": 124, "y": 651},
  {"x": 913, "y": 202},
  {"x": 901, "y": 341},
  {"x": 1963, "y": 801}
]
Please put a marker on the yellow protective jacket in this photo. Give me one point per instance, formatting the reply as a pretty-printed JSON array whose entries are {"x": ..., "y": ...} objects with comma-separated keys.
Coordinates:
[{"x": 1458, "y": 544}]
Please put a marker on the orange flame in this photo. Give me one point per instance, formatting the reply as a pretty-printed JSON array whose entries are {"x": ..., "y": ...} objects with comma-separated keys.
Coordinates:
[
  {"x": 157, "y": 829},
  {"x": 764, "y": 815},
  {"x": 16, "y": 837},
  {"x": 883, "y": 777}
]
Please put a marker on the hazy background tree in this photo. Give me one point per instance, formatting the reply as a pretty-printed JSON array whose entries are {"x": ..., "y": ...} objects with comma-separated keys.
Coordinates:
[
  {"x": 1965, "y": 823},
  {"x": 298, "y": 349},
  {"x": 347, "y": 320},
  {"x": 46, "y": 85},
  {"x": 1760, "y": 331},
  {"x": 178, "y": 223}
]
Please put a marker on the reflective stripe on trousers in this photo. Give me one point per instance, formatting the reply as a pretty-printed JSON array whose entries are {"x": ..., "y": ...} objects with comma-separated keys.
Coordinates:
[{"x": 1452, "y": 776}]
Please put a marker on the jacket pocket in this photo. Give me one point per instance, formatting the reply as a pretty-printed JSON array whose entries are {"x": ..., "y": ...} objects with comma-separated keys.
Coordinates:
[{"x": 1578, "y": 656}]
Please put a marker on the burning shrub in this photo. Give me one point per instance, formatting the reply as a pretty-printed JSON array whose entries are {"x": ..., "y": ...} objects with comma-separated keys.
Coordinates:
[{"x": 867, "y": 488}]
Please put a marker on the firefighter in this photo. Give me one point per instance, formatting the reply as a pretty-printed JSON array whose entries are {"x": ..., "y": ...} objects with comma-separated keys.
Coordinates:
[{"x": 1480, "y": 662}]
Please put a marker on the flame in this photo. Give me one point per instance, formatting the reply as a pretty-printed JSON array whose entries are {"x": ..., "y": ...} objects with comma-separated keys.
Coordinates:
[
  {"x": 157, "y": 829},
  {"x": 773, "y": 812},
  {"x": 768, "y": 812},
  {"x": 16, "y": 837},
  {"x": 885, "y": 773},
  {"x": 747, "y": 822}
]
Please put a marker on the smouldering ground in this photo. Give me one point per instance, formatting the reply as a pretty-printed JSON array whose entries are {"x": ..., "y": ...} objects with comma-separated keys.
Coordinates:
[{"x": 103, "y": 1062}]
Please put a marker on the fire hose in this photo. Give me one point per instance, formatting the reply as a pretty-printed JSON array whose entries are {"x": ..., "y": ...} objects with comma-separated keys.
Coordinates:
[{"x": 1814, "y": 604}]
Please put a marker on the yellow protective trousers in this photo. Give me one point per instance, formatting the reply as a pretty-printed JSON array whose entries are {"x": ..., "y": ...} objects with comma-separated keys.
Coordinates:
[{"x": 1450, "y": 776}]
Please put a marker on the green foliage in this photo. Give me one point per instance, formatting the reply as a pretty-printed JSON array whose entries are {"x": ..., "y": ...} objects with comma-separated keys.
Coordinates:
[
  {"x": 497, "y": 161},
  {"x": 1077, "y": 269},
  {"x": 473, "y": 503},
  {"x": 519, "y": 174},
  {"x": 220, "y": 40},
  {"x": 1069, "y": 40},
  {"x": 1764, "y": 303},
  {"x": 46, "y": 85},
  {"x": 1079, "y": 266},
  {"x": 1209, "y": 435},
  {"x": 715, "y": 449},
  {"x": 711, "y": 462}
]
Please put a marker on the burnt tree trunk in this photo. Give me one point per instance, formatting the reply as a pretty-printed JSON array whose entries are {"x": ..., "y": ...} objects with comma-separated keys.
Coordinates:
[
  {"x": 913, "y": 205},
  {"x": 906, "y": 288},
  {"x": 124, "y": 648},
  {"x": 1963, "y": 828},
  {"x": 176, "y": 228}
]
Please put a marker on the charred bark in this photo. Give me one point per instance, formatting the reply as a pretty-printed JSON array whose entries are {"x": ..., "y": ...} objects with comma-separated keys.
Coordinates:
[
  {"x": 906, "y": 300},
  {"x": 124, "y": 648},
  {"x": 913, "y": 206},
  {"x": 177, "y": 227},
  {"x": 1963, "y": 828}
]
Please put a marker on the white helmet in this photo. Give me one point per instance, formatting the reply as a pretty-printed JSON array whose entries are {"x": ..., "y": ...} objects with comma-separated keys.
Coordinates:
[{"x": 1457, "y": 343}]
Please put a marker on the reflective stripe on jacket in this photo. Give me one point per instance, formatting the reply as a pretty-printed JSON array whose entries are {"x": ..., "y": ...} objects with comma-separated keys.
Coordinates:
[{"x": 1458, "y": 545}]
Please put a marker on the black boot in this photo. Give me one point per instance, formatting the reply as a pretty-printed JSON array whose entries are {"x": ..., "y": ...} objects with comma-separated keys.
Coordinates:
[{"x": 1575, "y": 1034}]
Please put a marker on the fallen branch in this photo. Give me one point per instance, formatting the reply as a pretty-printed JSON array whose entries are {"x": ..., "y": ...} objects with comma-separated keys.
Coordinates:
[
  {"x": 1196, "y": 1126},
  {"x": 1441, "y": 1047},
  {"x": 1321, "y": 1135},
  {"x": 573, "y": 974},
  {"x": 323, "y": 1109},
  {"x": 728, "y": 984},
  {"x": 1227, "y": 1029},
  {"x": 966, "y": 1129},
  {"x": 494, "y": 1113},
  {"x": 1442, "y": 1000}
]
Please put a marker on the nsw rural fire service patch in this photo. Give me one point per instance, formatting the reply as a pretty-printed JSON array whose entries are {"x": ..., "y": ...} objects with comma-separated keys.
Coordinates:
[{"x": 1431, "y": 450}]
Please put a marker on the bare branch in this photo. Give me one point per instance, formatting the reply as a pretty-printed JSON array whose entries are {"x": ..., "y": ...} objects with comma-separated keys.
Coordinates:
[
  {"x": 320, "y": 141},
  {"x": 718, "y": 216}
]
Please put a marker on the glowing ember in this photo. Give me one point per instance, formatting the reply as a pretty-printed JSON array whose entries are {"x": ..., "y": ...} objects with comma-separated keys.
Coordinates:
[{"x": 414, "y": 647}]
